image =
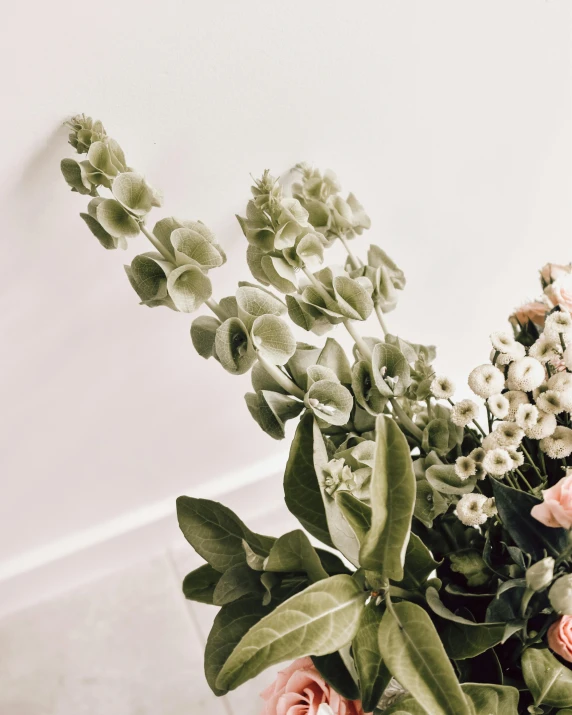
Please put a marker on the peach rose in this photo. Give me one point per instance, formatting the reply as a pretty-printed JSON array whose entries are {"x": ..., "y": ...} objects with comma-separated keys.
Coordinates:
[
  {"x": 535, "y": 311},
  {"x": 560, "y": 637},
  {"x": 560, "y": 292},
  {"x": 556, "y": 509},
  {"x": 551, "y": 271},
  {"x": 300, "y": 690}
]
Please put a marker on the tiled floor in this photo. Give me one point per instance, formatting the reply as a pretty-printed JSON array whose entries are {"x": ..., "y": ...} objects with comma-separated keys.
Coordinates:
[{"x": 128, "y": 644}]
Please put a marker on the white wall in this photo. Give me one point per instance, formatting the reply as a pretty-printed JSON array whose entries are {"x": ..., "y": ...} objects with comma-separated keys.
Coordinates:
[{"x": 450, "y": 120}]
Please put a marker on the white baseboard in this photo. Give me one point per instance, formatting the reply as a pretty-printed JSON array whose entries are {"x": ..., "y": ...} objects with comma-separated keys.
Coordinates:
[{"x": 84, "y": 556}]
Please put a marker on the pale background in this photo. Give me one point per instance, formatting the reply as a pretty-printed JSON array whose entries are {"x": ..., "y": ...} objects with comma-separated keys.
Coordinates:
[{"x": 450, "y": 120}]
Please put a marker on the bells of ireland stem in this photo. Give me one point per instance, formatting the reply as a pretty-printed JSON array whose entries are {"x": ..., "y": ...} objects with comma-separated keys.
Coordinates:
[
  {"x": 560, "y": 595},
  {"x": 540, "y": 574}
]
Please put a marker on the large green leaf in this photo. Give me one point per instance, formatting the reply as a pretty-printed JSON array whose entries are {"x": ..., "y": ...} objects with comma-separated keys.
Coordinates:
[
  {"x": 530, "y": 535},
  {"x": 461, "y": 637},
  {"x": 373, "y": 674},
  {"x": 485, "y": 700},
  {"x": 335, "y": 672},
  {"x": 414, "y": 654},
  {"x": 419, "y": 563},
  {"x": 549, "y": 681},
  {"x": 444, "y": 479},
  {"x": 216, "y": 533},
  {"x": 199, "y": 585},
  {"x": 320, "y": 620},
  {"x": 342, "y": 534},
  {"x": 294, "y": 552},
  {"x": 232, "y": 622},
  {"x": 392, "y": 498},
  {"x": 237, "y": 581},
  {"x": 301, "y": 488},
  {"x": 356, "y": 513}
]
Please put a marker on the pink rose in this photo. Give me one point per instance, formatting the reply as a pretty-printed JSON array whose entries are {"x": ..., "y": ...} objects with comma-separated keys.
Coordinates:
[
  {"x": 560, "y": 292},
  {"x": 535, "y": 311},
  {"x": 560, "y": 637},
  {"x": 556, "y": 509},
  {"x": 551, "y": 271},
  {"x": 300, "y": 690}
]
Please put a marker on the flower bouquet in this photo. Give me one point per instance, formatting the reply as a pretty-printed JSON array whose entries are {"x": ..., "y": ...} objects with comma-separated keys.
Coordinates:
[{"x": 432, "y": 570}]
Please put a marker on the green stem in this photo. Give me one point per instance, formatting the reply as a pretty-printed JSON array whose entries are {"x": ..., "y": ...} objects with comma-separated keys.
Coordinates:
[
  {"x": 317, "y": 285},
  {"x": 216, "y": 309},
  {"x": 512, "y": 482},
  {"x": 381, "y": 319},
  {"x": 531, "y": 461},
  {"x": 282, "y": 379},
  {"x": 157, "y": 244},
  {"x": 405, "y": 420},
  {"x": 524, "y": 479},
  {"x": 356, "y": 263},
  {"x": 358, "y": 340}
]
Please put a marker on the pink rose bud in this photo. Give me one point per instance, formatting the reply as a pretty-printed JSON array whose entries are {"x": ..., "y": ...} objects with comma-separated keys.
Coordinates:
[
  {"x": 560, "y": 637},
  {"x": 534, "y": 311},
  {"x": 551, "y": 271},
  {"x": 556, "y": 509},
  {"x": 301, "y": 690}
]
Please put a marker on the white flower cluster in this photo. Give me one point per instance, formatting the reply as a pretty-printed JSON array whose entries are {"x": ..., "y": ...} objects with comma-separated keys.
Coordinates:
[{"x": 527, "y": 394}]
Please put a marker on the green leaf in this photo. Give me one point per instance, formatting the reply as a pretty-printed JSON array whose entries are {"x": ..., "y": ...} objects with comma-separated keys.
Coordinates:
[
  {"x": 374, "y": 676},
  {"x": 271, "y": 410},
  {"x": 301, "y": 488},
  {"x": 334, "y": 357},
  {"x": 279, "y": 274},
  {"x": 391, "y": 371},
  {"x": 193, "y": 248},
  {"x": 330, "y": 401},
  {"x": 530, "y": 535},
  {"x": 294, "y": 552},
  {"x": 71, "y": 171},
  {"x": 148, "y": 276},
  {"x": 203, "y": 334},
  {"x": 342, "y": 535},
  {"x": 134, "y": 194},
  {"x": 393, "y": 497},
  {"x": 352, "y": 298},
  {"x": 233, "y": 347},
  {"x": 237, "y": 581},
  {"x": 419, "y": 564},
  {"x": 199, "y": 585},
  {"x": 334, "y": 671},
  {"x": 216, "y": 533},
  {"x": 463, "y": 638},
  {"x": 356, "y": 513},
  {"x": 444, "y": 479},
  {"x": 106, "y": 239},
  {"x": 232, "y": 622},
  {"x": 485, "y": 700},
  {"x": 320, "y": 620},
  {"x": 549, "y": 681},
  {"x": 273, "y": 339},
  {"x": 115, "y": 220},
  {"x": 253, "y": 302},
  {"x": 189, "y": 287},
  {"x": 414, "y": 654}
]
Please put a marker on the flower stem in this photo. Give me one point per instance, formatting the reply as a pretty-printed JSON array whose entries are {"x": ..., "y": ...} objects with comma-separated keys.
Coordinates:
[
  {"x": 157, "y": 244},
  {"x": 532, "y": 464},
  {"x": 317, "y": 285},
  {"x": 358, "y": 340},
  {"x": 356, "y": 263},
  {"x": 216, "y": 309},
  {"x": 282, "y": 379},
  {"x": 524, "y": 479},
  {"x": 405, "y": 420},
  {"x": 381, "y": 319}
]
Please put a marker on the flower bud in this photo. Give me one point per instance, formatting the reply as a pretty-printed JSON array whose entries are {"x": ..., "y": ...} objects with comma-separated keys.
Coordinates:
[
  {"x": 540, "y": 574},
  {"x": 84, "y": 132},
  {"x": 560, "y": 595}
]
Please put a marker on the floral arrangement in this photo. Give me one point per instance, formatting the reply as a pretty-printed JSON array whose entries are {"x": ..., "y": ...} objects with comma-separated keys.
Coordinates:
[{"x": 443, "y": 582}]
